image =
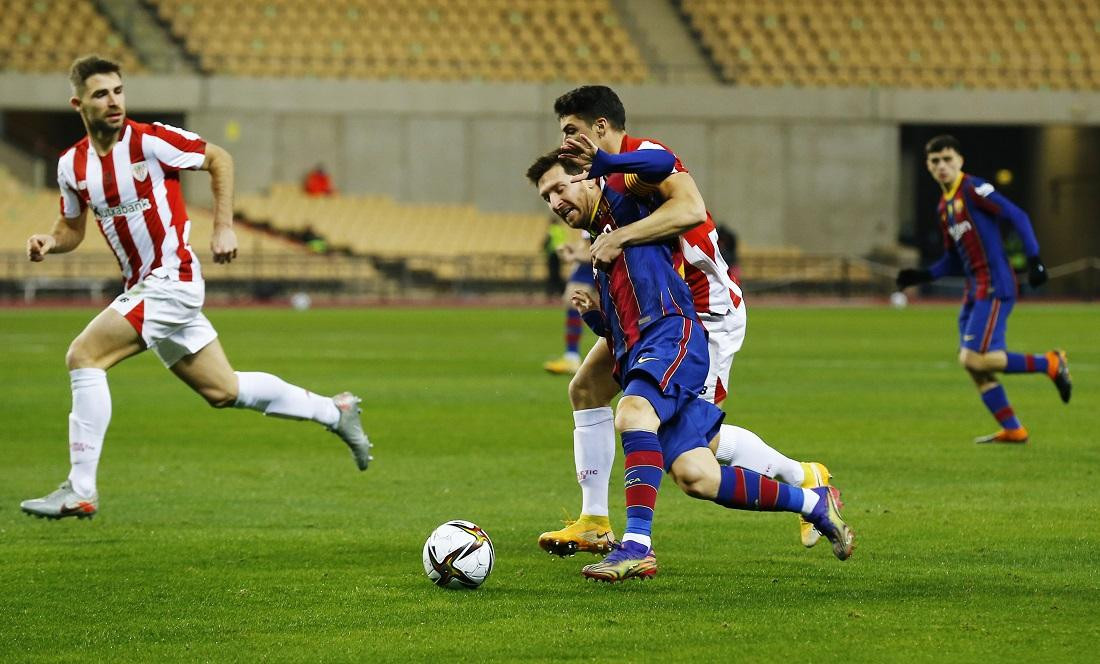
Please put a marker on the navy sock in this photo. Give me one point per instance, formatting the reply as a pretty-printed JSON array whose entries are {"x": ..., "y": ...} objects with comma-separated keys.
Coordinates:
[
  {"x": 743, "y": 489},
  {"x": 642, "y": 477},
  {"x": 997, "y": 402}
]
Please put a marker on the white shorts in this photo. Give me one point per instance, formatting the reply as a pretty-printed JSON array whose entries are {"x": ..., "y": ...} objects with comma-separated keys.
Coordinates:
[
  {"x": 725, "y": 334},
  {"x": 168, "y": 316}
]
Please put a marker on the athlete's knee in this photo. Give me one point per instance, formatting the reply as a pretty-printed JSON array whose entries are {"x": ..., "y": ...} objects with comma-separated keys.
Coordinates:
[
  {"x": 635, "y": 413},
  {"x": 693, "y": 479},
  {"x": 78, "y": 356},
  {"x": 585, "y": 392},
  {"x": 972, "y": 361}
]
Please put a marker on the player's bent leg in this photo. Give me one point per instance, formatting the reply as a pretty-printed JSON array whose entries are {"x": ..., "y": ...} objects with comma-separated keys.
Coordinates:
[
  {"x": 744, "y": 489},
  {"x": 643, "y": 467},
  {"x": 736, "y": 446},
  {"x": 105, "y": 341},
  {"x": 697, "y": 473},
  {"x": 590, "y": 392},
  {"x": 594, "y": 386},
  {"x": 209, "y": 373}
]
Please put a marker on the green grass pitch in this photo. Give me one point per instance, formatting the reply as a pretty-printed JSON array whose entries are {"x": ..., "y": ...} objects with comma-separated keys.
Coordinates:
[{"x": 224, "y": 535}]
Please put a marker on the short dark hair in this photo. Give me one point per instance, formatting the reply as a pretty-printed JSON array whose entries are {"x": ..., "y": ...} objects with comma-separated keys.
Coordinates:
[
  {"x": 90, "y": 65},
  {"x": 547, "y": 161},
  {"x": 942, "y": 142},
  {"x": 592, "y": 102}
]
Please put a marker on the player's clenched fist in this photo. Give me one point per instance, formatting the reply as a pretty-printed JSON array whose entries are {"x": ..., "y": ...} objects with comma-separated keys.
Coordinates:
[
  {"x": 223, "y": 243},
  {"x": 38, "y": 246}
]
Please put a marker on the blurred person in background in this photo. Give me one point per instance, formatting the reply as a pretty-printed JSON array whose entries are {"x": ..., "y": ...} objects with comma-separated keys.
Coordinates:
[
  {"x": 575, "y": 254},
  {"x": 972, "y": 215},
  {"x": 318, "y": 182}
]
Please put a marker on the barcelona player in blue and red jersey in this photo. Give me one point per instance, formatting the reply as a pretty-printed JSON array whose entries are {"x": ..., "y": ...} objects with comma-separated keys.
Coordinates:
[
  {"x": 647, "y": 315},
  {"x": 972, "y": 216}
]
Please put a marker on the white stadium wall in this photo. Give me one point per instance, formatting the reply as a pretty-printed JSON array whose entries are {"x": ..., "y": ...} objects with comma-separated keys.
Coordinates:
[{"x": 817, "y": 169}]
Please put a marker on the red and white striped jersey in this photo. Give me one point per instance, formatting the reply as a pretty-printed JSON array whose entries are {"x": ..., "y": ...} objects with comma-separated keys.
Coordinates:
[
  {"x": 713, "y": 290},
  {"x": 134, "y": 193}
]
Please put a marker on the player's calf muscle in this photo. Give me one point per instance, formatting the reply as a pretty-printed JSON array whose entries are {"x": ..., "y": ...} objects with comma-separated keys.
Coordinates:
[{"x": 695, "y": 476}]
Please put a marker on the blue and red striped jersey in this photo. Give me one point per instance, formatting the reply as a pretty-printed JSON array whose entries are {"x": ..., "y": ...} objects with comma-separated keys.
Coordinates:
[
  {"x": 972, "y": 217},
  {"x": 643, "y": 284}
]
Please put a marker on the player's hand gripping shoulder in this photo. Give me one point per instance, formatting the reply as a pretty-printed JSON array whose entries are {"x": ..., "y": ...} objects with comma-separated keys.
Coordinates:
[{"x": 38, "y": 246}]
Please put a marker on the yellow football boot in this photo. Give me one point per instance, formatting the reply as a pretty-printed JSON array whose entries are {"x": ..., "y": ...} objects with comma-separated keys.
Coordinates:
[
  {"x": 588, "y": 533},
  {"x": 564, "y": 365},
  {"x": 816, "y": 474}
]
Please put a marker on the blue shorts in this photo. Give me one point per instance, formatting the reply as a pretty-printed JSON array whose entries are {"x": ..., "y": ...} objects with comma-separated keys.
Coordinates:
[
  {"x": 668, "y": 367},
  {"x": 982, "y": 324},
  {"x": 583, "y": 275}
]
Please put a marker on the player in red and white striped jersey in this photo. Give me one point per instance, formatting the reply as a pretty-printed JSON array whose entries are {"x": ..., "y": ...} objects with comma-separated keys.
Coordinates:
[
  {"x": 127, "y": 174},
  {"x": 592, "y": 117}
]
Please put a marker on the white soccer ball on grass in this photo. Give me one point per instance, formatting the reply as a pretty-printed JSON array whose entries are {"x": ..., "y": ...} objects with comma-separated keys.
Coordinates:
[{"x": 458, "y": 554}]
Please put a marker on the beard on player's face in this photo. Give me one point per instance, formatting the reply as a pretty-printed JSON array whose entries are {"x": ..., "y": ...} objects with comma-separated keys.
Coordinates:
[
  {"x": 574, "y": 208},
  {"x": 101, "y": 125},
  {"x": 102, "y": 116}
]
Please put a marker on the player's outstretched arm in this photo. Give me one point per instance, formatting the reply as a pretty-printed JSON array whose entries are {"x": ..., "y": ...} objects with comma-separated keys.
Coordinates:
[
  {"x": 682, "y": 210},
  {"x": 67, "y": 234},
  {"x": 223, "y": 242}
]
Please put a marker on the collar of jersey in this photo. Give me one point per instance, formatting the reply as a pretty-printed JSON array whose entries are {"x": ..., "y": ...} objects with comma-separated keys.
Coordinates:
[
  {"x": 950, "y": 193},
  {"x": 596, "y": 207}
]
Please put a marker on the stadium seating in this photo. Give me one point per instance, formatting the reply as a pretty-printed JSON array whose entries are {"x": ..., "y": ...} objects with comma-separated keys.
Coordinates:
[
  {"x": 47, "y": 35},
  {"x": 492, "y": 40},
  {"x": 983, "y": 44},
  {"x": 450, "y": 242}
]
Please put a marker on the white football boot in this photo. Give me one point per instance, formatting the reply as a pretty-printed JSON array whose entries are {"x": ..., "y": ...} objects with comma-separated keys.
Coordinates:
[
  {"x": 350, "y": 428},
  {"x": 62, "y": 503}
]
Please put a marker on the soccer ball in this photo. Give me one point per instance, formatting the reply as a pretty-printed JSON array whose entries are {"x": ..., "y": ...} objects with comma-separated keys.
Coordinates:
[{"x": 458, "y": 554}]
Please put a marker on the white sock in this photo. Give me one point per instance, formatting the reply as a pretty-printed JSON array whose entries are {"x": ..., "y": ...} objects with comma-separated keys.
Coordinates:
[
  {"x": 272, "y": 395},
  {"x": 87, "y": 426},
  {"x": 741, "y": 447},
  {"x": 644, "y": 540},
  {"x": 809, "y": 501},
  {"x": 594, "y": 455}
]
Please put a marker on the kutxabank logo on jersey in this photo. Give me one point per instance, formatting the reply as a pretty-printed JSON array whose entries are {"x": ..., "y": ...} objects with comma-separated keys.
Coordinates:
[{"x": 140, "y": 205}]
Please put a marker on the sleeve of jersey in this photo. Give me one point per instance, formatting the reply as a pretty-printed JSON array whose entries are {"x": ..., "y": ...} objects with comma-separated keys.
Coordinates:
[
  {"x": 948, "y": 264},
  {"x": 644, "y": 169},
  {"x": 995, "y": 203},
  {"x": 596, "y": 322},
  {"x": 177, "y": 149},
  {"x": 71, "y": 202}
]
